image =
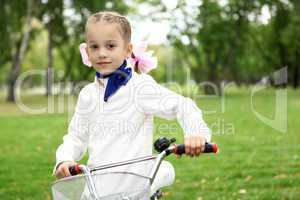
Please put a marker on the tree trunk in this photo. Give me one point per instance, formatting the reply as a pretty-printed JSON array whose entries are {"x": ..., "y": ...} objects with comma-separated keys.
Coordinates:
[
  {"x": 210, "y": 89},
  {"x": 49, "y": 77},
  {"x": 13, "y": 74},
  {"x": 296, "y": 77},
  {"x": 296, "y": 71},
  {"x": 68, "y": 60},
  {"x": 21, "y": 48}
]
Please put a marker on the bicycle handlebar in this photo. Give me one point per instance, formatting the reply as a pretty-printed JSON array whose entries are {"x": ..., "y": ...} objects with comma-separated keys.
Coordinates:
[{"x": 176, "y": 149}]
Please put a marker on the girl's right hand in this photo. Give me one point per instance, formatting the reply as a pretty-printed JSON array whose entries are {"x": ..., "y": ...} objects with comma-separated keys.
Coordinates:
[{"x": 63, "y": 169}]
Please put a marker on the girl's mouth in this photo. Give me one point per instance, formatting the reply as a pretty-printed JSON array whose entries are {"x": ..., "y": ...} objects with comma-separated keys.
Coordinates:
[{"x": 103, "y": 63}]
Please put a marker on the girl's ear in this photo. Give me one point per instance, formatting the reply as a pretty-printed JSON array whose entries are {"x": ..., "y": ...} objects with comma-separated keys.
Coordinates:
[{"x": 129, "y": 50}]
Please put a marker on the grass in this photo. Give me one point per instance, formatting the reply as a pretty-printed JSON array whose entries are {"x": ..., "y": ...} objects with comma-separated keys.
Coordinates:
[{"x": 255, "y": 161}]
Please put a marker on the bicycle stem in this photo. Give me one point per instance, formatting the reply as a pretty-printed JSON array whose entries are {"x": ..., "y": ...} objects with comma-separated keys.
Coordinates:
[
  {"x": 90, "y": 182},
  {"x": 158, "y": 161}
]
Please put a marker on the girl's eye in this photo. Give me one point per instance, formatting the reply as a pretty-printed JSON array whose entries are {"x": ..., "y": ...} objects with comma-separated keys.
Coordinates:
[
  {"x": 111, "y": 46},
  {"x": 94, "y": 46}
]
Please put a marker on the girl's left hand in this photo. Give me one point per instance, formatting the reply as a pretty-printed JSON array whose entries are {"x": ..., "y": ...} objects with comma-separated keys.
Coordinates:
[{"x": 194, "y": 145}]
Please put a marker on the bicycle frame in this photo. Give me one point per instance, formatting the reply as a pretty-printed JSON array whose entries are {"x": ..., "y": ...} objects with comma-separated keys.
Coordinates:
[{"x": 158, "y": 160}]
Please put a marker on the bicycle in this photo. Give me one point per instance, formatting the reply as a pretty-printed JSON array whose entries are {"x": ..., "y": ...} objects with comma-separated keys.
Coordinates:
[{"x": 103, "y": 183}]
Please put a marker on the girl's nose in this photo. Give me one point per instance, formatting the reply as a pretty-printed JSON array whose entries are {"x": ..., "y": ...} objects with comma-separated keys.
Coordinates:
[{"x": 102, "y": 53}]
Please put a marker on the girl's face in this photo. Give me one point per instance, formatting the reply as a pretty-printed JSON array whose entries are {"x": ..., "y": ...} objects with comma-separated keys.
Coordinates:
[{"x": 106, "y": 48}]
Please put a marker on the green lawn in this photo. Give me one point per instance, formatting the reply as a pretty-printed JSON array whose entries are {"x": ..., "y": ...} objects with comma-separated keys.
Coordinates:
[{"x": 255, "y": 161}]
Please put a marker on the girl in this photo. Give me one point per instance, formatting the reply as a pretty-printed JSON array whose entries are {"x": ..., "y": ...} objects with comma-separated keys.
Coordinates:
[{"x": 113, "y": 118}]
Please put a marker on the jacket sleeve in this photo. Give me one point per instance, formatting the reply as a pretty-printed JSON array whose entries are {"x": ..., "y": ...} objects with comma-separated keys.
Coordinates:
[
  {"x": 75, "y": 141},
  {"x": 154, "y": 99}
]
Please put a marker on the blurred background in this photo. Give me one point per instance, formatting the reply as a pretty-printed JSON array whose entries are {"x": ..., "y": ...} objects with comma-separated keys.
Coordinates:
[
  {"x": 222, "y": 50},
  {"x": 226, "y": 40}
]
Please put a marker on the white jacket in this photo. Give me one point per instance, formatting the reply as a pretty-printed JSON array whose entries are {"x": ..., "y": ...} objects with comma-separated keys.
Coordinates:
[{"x": 122, "y": 128}]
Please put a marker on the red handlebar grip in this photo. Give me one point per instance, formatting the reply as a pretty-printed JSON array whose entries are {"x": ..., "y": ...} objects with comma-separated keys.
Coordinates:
[
  {"x": 77, "y": 169},
  {"x": 215, "y": 148},
  {"x": 74, "y": 170}
]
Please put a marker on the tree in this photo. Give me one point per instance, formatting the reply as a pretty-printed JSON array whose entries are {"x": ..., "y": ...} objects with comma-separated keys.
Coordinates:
[
  {"x": 20, "y": 26},
  {"x": 51, "y": 13},
  {"x": 292, "y": 41},
  {"x": 217, "y": 36},
  {"x": 286, "y": 43}
]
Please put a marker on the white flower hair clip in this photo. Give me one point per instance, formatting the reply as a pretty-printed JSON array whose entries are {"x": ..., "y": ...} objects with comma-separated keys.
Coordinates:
[{"x": 142, "y": 59}]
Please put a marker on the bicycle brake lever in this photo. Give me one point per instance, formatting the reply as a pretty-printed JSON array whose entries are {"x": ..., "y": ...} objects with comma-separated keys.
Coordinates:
[{"x": 163, "y": 143}]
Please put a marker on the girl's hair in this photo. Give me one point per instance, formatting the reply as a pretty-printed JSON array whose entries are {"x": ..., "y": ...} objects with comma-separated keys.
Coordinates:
[{"x": 112, "y": 17}]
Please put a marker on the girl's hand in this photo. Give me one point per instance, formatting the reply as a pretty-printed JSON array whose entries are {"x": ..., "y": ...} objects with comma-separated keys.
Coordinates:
[
  {"x": 194, "y": 145},
  {"x": 63, "y": 169}
]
